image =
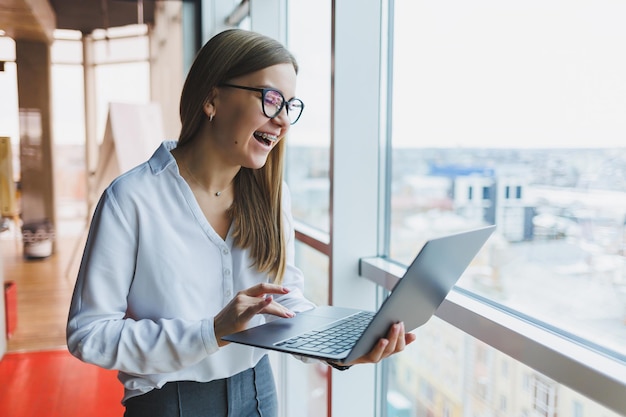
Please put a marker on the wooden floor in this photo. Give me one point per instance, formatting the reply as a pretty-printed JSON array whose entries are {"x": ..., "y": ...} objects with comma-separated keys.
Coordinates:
[
  {"x": 44, "y": 289},
  {"x": 38, "y": 376}
]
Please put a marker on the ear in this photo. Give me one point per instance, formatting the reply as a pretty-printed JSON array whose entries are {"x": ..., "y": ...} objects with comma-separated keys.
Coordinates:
[
  {"x": 209, "y": 110},
  {"x": 209, "y": 107}
]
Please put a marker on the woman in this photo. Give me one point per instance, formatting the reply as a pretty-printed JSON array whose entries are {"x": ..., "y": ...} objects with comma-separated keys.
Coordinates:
[{"x": 198, "y": 242}]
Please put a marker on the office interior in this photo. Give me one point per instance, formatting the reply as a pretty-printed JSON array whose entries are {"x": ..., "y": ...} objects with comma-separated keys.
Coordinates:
[{"x": 422, "y": 118}]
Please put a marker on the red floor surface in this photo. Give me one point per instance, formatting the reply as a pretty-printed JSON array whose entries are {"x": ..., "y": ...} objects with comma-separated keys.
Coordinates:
[{"x": 55, "y": 384}]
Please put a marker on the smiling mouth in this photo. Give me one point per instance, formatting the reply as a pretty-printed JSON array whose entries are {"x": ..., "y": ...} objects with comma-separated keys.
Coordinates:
[{"x": 265, "y": 138}]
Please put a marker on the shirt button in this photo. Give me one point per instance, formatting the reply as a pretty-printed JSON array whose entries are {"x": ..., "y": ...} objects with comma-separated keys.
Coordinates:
[
  {"x": 228, "y": 293},
  {"x": 227, "y": 272},
  {"x": 225, "y": 251}
]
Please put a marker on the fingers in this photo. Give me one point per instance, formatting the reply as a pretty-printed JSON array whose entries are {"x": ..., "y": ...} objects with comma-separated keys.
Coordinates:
[
  {"x": 276, "y": 309},
  {"x": 252, "y": 306},
  {"x": 268, "y": 305},
  {"x": 400, "y": 343},
  {"x": 265, "y": 288},
  {"x": 245, "y": 305},
  {"x": 396, "y": 341}
]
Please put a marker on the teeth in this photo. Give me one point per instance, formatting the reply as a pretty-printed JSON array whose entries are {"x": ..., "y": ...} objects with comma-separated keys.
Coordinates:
[{"x": 267, "y": 136}]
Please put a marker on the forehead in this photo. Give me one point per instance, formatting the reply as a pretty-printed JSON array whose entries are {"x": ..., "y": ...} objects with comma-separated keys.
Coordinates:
[{"x": 281, "y": 76}]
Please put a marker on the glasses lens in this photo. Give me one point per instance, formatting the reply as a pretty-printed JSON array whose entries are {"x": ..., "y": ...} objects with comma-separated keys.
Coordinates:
[
  {"x": 294, "y": 109},
  {"x": 273, "y": 102}
]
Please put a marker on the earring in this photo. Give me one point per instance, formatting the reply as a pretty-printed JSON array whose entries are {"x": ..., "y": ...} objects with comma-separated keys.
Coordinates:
[{"x": 210, "y": 117}]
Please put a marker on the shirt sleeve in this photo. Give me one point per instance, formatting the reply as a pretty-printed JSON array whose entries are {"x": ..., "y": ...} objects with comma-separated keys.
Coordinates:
[{"x": 99, "y": 330}]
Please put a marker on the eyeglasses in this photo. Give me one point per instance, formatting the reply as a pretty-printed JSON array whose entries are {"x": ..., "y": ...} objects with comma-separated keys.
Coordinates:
[{"x": 273, "y": 101}]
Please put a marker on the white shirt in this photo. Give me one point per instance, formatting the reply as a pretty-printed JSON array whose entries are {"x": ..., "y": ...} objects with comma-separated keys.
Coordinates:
[{"x": 153, "y": 275}]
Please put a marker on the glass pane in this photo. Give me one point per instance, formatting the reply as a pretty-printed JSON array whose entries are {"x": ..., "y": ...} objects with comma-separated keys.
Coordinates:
[
  {"x": 68, "y": 129},
  {"x": 308, "y": 156},
  {"x": 305, "y": 384},
  {"x": 513, "y": 113},
  {"x": 127, "y": 83},
  {"x": 314, "y": 266},
  {"x": 7, "y": 49},
  {"x": 9, "y": 119},
  {"x": 447, "y": 373},
  {"x": 68, "y": 102},
  {"x": 66, "y": 51},
  {"x": 119, "y": 45}
]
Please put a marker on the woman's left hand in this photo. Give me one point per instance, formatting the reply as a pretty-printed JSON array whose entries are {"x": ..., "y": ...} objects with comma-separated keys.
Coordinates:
[{"x": 397, "y": 339}]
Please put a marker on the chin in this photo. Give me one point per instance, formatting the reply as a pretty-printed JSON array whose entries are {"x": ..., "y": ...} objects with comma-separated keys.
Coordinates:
[{"x": 256, "y": 164}]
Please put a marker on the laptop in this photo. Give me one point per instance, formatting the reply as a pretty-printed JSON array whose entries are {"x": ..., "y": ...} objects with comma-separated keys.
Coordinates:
[{"x": 344, "y": 334}]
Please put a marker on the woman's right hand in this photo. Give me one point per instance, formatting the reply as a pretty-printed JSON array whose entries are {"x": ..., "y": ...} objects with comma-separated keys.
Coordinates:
[{"x": 245, "y": 305}]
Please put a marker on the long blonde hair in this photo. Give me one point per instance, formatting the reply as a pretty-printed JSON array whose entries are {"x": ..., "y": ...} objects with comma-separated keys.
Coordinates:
[{"x": 256, "y": 209}]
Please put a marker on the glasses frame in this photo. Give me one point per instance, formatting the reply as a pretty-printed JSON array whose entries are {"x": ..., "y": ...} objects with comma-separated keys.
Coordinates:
[{"x": 285, "y": 104}]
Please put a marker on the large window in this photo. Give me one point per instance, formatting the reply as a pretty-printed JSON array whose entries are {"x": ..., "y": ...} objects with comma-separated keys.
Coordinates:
[
  {"x": 307, "y": 173},
  {"x": 309, "y": 31},
  {"x": 309, "y": 380},
  {"x": 449, "y": 373},
  {"x": 512, "y": 113},
  {"x": 68, "y": 126},
  {"x": 9, "y": 125},
  {"x": 9, "y": 118},
  {"x": 120, "y": 63},
  {"x": 121, "y": 57},
  {"x": 499, "y": 112}
]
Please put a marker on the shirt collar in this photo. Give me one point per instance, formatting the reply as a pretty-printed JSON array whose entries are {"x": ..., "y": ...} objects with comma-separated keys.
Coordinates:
[{"x": 162, "y": 157}]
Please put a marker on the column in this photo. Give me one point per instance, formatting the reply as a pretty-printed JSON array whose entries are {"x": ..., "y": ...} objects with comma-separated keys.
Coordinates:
[{"x": 36, "y": 150}]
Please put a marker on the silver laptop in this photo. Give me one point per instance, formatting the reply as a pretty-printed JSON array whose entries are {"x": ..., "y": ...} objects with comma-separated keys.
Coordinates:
[{"x": 344, "y": 334}]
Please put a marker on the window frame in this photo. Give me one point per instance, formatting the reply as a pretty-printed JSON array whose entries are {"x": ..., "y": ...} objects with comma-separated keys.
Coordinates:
[{"x": 567, "y": 361}]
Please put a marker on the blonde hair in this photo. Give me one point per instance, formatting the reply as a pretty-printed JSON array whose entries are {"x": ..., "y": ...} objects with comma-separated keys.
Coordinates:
[{"x": 257, "y": 208}]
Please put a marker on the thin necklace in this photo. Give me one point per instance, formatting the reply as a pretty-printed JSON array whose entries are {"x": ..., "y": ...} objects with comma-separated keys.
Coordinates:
[{"x": 216, "y": 194}]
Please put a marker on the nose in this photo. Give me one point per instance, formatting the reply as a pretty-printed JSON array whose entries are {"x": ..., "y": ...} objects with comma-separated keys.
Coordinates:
[{"x": 282, "y": 118}]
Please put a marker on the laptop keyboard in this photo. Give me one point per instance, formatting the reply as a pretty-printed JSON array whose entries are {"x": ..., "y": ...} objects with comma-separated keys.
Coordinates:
[{"x": 336, "y": 339}]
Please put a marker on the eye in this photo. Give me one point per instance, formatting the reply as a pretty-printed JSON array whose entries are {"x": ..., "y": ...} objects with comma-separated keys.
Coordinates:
[{"x": 273, "y": 98}]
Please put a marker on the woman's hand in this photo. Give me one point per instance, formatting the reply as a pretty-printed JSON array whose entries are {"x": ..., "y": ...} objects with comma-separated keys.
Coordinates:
[
  {"x": 397, "y": 339},
  {"x": 246, "y": 304}
]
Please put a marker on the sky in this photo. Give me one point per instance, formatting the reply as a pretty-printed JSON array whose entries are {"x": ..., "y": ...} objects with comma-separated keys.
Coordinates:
[
  {"x": 480, "y": 73},
  {"x": 494, "y": 73}
]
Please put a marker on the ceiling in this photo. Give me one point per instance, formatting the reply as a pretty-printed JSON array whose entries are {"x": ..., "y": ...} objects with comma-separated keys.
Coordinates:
[{"x": 37, "y": 19}]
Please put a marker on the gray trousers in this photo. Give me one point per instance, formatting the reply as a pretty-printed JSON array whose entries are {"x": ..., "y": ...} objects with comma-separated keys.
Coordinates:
[{"x": 251, "y": 393}]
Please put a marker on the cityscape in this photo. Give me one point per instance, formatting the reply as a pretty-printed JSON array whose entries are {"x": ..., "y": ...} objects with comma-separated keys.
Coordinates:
[{"x": 558, "y": 257}]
